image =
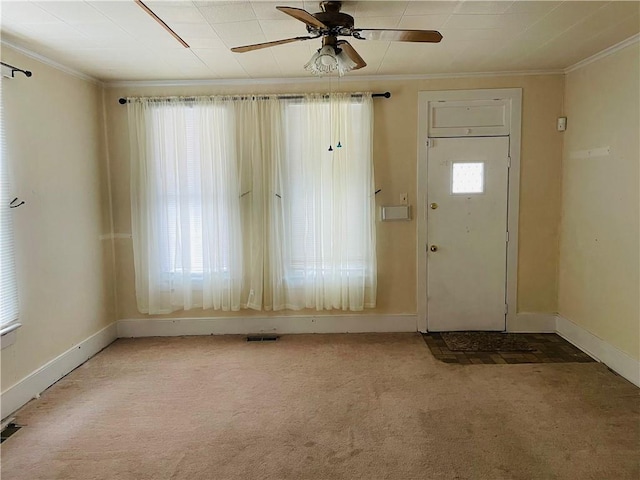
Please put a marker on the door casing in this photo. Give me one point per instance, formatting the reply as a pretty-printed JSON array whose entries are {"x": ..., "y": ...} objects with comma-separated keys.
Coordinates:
[{"x": 512, "y": 127}]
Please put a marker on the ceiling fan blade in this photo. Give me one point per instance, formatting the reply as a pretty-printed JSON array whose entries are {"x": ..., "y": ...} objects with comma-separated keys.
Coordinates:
[
  {"x": 352, "y": 54},
  {"x": 162, "y": 23},
  {"x": 258, "y": 46},
  {"x": 393, "y": 35},
  {"x": 303, "y": 16}
]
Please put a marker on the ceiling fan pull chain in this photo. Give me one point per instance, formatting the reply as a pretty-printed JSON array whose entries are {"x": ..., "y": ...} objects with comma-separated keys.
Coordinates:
[
  {"x": 330, "y": 113},
  {"x": 339, "y": 119}
]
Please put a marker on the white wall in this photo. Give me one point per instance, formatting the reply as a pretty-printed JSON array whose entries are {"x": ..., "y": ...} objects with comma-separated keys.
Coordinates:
[
  {"x": 55, "y": 148},
  {"x": 599, "y": 285}
]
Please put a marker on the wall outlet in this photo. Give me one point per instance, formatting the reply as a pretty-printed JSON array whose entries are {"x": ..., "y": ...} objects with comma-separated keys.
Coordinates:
[{"x": 404, "y": 199}]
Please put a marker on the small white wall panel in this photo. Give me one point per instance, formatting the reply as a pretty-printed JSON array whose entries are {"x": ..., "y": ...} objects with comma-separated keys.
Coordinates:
[{"x": 395, "y": 212}]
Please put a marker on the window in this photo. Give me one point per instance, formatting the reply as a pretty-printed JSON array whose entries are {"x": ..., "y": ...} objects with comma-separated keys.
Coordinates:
[
  {"x": 326, "y": 189},
  {"x": 187, "y": 188},
  {"x": 467, "y": 178},
  {"x": 8, "y": 286},
  {"x": 237, "y": 203}
]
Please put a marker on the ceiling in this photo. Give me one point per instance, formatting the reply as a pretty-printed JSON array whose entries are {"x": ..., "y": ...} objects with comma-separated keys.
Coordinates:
[{"x": 117, "y": 40}]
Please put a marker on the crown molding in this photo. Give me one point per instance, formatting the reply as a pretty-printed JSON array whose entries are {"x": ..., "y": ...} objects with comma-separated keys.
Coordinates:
[
  {"x": 351, "y": 79},
  {"x": 52, "y": 63},
  {"x": 604, "y": 53}
]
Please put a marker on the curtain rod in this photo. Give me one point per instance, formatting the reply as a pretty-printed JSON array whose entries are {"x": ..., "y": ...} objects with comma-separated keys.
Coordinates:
[
  {"x": 16, "y": 69},
  {"x": 122, "y": 101}
]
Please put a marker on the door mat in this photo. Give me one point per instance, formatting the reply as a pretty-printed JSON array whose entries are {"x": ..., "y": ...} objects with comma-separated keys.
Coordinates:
[
  {"x": 547, "y": 348},
  {"x": 486, "y": 342}
]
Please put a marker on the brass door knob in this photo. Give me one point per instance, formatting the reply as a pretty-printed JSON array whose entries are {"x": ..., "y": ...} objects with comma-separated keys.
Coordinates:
[
  {"x": 433, "y": 248},
  {"x": 433, "y": 206}
]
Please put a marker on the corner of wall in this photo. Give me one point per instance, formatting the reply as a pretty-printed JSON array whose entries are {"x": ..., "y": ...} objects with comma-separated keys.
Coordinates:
[
  {"x": 107, "y": 180},
  {"x": 558, "y": 244}
]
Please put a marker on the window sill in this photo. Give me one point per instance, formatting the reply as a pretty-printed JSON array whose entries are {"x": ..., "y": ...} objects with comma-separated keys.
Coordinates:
[
  {"x": 8, "y": 334},
  {"x": 298, "y": 277}
]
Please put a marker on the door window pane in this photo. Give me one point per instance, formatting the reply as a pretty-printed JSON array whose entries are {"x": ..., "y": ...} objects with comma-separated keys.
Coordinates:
[{"x": 467, "y": 177}]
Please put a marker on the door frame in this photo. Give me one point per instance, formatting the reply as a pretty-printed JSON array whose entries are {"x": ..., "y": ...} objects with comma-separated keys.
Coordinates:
[{"x": 514, "y": 98}]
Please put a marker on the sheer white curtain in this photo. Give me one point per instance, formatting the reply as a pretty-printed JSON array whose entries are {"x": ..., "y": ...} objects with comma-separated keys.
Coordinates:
[
  {"x": 260, "y": 139},
  {"x": 237, "y": 203},
  {"x": 329, "y": 258},
  {"x": 185, "y": 204}
]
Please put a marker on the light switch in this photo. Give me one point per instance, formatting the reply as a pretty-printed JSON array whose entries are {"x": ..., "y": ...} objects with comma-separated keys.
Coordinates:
[{"x": 562, "y": 124}]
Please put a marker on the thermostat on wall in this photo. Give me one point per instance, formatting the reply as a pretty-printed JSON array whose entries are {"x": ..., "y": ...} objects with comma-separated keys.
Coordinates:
[{"x": 395, "y": 212}]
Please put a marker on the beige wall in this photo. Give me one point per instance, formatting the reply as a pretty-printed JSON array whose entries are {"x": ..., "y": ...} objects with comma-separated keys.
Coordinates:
[
  {"x": 55, "y": 149},
  {"x": 599, "y": 285},
  {"x": 395, "y": 160}
]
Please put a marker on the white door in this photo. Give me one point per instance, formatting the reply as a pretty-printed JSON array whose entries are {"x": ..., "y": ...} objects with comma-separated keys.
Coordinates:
[{"x": 467, "y": 186}]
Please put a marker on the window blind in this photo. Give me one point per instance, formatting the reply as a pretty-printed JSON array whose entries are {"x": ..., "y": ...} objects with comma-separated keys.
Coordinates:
[{"x": 8, "y": 287}]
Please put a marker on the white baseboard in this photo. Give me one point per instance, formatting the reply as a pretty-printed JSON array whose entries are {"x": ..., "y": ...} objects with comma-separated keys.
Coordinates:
[
  {"x": 41, "y": 379},
  {"x": 532, "y": 322},
  {"x": 283, "y": 324},
  {"x": 599, "y": 349},
  {"x": 38, "y": 381}
]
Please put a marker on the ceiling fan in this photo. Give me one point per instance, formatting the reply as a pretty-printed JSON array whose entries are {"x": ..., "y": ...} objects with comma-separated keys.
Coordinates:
[{"x": 330, "y": 24}]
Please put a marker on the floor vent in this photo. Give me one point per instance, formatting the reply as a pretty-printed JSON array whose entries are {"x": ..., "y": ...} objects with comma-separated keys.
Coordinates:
[
  {"x": 9, "y": 430},
  {"x": 262, "y": 338}
]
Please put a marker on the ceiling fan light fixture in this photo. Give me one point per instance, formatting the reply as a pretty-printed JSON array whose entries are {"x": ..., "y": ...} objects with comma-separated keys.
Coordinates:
[
  {"x": 326, "y": 61},
  {"x": 345, "y": 63},
  {"x": 323, "y": 62}
]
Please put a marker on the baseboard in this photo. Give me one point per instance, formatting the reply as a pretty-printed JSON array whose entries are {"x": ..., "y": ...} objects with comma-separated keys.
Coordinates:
[
  {"x": 41, "y": 379},
  {"x": 532, "y": 322},
  {"x": 599, "y": 349},
  {"x": 38, "y": 381},
  {"x": 364, "y": 323}
]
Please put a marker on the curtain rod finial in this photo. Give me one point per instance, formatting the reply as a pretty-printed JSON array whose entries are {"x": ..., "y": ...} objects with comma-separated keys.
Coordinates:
[{"x": 122, "y": 101}]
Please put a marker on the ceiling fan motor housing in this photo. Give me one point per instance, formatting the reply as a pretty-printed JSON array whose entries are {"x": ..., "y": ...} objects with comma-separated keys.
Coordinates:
[{"x": 339, "y": 23}]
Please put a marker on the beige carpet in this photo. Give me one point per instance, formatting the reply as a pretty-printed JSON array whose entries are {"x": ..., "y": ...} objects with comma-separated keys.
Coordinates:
[{"x": 373, "y": 406}]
